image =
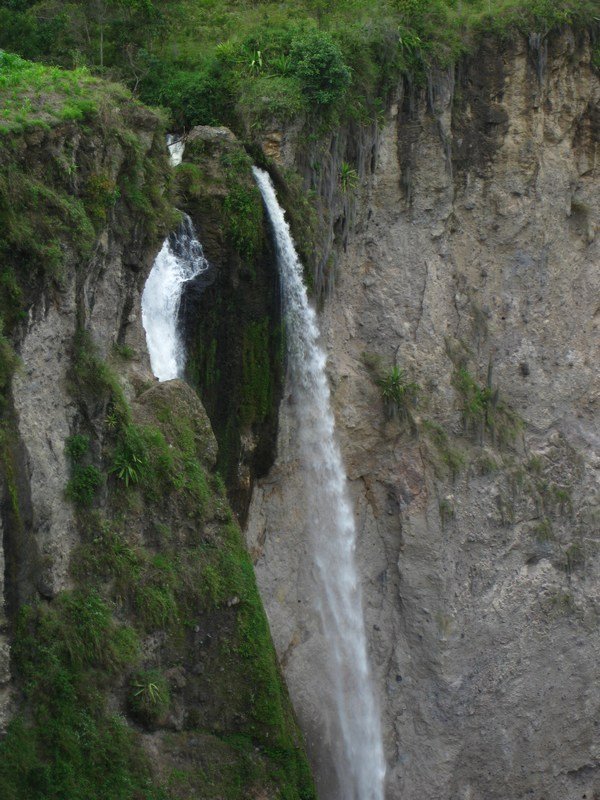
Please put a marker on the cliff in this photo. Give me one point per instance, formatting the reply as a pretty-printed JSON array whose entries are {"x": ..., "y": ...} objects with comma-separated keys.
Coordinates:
[
  {"x": 135, "y": 655},
  {"x": 471, "y": 265}
]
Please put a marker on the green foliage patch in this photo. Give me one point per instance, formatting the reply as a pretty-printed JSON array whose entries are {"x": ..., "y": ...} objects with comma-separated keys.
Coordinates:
[
  {"x": 484, "y": 410},
  {"x": 242, "y": 207},
  {"x": 399, "y": 393},
  {"x": 34, "y": 95},
  {"x": 244, "y": 63},
  {"x": 71, "y": 745},
  {"x": 255, "y": 400},
  {"x": 452, "y": 459},
  {"x": 149, "y": 696}
]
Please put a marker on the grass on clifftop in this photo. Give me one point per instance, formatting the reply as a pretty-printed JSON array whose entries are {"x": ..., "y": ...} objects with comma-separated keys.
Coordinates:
[
  {"x": 34, "y": 95},
  {"x": 244, "y": 63}
]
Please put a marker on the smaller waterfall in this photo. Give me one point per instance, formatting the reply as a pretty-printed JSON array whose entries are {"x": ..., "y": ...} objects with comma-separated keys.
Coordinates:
[
  {"x": 346, "y": 697},
  {"x": 176, "y": 145},
  {"x": 180, "y": 259}
]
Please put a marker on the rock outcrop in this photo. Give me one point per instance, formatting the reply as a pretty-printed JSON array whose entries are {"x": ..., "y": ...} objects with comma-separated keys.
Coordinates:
[
  {"x": 472, "y": 265},
  {"x": 231, "y": 315},
  {"x": 135, "y": 656}
]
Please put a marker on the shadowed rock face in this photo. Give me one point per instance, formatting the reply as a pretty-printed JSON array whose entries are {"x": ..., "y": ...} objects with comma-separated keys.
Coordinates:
[
  {"x": 230, "y": 315},
  {"x": 473, "y": 251}
]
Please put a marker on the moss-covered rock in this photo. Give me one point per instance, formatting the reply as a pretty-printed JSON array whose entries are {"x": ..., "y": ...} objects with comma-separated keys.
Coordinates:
[
  {"x": 139, "y": 642},
  {"x": 233, "y": 317}
]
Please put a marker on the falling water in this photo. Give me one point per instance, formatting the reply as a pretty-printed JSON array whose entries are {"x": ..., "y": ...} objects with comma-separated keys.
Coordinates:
[
  {"x": 180, "y": 259},
  {"x": 352, "y": 710},
  {"x": 176, "y": 145}
]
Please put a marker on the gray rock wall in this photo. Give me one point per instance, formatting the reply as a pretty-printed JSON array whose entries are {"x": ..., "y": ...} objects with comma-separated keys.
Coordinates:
[
  {"x": 474, "y": 246},
  {"x": 101, "y": 295}
]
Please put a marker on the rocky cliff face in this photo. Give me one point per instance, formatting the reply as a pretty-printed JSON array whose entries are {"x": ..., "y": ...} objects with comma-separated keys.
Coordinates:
[
  {"x": 472, "y": 265},
  {"x": 135, "y": 658},
  {"x": 63, "y": 183}
]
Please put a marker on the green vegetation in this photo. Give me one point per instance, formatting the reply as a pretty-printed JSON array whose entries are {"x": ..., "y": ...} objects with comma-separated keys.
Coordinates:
[
  {"x": 70, "y": 744},
  {"x": 135, "y": 577},
  {"x": 35, "y": 221},
  {"x": 149, "y": 696},
  {"x": 243, "y": 63},
  {"x": 242, "y": 207},
  {"x": 85, "y": 479},
  {"x": 256, "y": 399},
  {"x": 398, "y": 393},
  {"x": 9, "y": 362},
  {"x": 348, "y": 177},
  {"x": 543, "y": 530},
  {"x": 483, "y": 410},
  {"x": 447, "y": 510},
  {"x": 574, "y": 557},
  {"x": 34, "y": 95},
  {"x": 561, "y": 602}
]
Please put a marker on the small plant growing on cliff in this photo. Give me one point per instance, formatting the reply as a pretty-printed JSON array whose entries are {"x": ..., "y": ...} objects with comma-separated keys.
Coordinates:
[
  {"x": 8, "y": 362},
  {"x": 85, "y": 479},
  {"x": 348, "y": 177},
  {"x": 399, "y": 394},
  {"x": 484, "y": 410},
  {"x": 149, "y": 696},
  {"x": 256, "y": 63},
  {"x": 574, "y": 557},
  {"x": 130, "y": 460},
  {"x": 543, "y": 530}
]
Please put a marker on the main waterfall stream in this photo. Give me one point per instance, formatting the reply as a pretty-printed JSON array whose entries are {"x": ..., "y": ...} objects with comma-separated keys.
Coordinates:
[
  {"x": 350, "y": 712},
  {"x": 180, "y": 259}
]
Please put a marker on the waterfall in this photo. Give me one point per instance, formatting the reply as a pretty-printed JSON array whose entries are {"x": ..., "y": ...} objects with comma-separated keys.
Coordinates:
[
  {"x": 176, "y": 145},
  {"x": 351, "y": 712},
  {"x": 180, "y": 259}
]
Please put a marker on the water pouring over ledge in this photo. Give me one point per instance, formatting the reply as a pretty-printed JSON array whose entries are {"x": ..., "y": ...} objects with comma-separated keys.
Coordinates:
[
  {"x": 180, "y": 259},
  {"x": 351, "y": 713}
]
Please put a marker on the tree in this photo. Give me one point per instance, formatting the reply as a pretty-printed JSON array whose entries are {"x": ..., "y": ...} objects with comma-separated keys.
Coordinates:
[{"x": 319, "y": 64}]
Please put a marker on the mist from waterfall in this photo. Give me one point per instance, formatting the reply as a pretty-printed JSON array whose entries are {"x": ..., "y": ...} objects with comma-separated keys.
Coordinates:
[
  {"x": 348, "y": 702},
  {"x": 180, "y": 259}
]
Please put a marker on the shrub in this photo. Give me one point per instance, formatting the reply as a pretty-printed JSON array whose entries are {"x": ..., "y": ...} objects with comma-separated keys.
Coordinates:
[
  {"x": 198, "y": 97},
  {"x": 85, "y": 479},
  {"x": 348, "y": 177},
  {"x": 148, "y": 696},
  {"x": 319, "y": 65},
  {"x": 84, "y": 483},
  {"x": 130, "y": 460},
  {"x": 156, "y": 606},
  {"x": 95, "y": 381},
  {"x": 66, "y": 743},
  {"x": 452, "y": 458},
  {"x": 244, "y": 216},
  {"x": 447, "y": 510},
  {"x": 399, "y": 394},
  {"x": 76, "y": 447},
  {"x": 101, "y": 194}
]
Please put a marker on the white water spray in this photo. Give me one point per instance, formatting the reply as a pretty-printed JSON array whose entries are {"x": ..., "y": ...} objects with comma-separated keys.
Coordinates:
[
  {"x": 180, "y": 259},
  {"x": 176, "y": 145},
  {"x": 351, "y": 714}
]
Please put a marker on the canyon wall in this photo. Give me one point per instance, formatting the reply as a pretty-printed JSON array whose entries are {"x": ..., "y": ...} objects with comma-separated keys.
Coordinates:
[
  {"x": 135, "y": 656},
  {"x": 471, "y": 262}
]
